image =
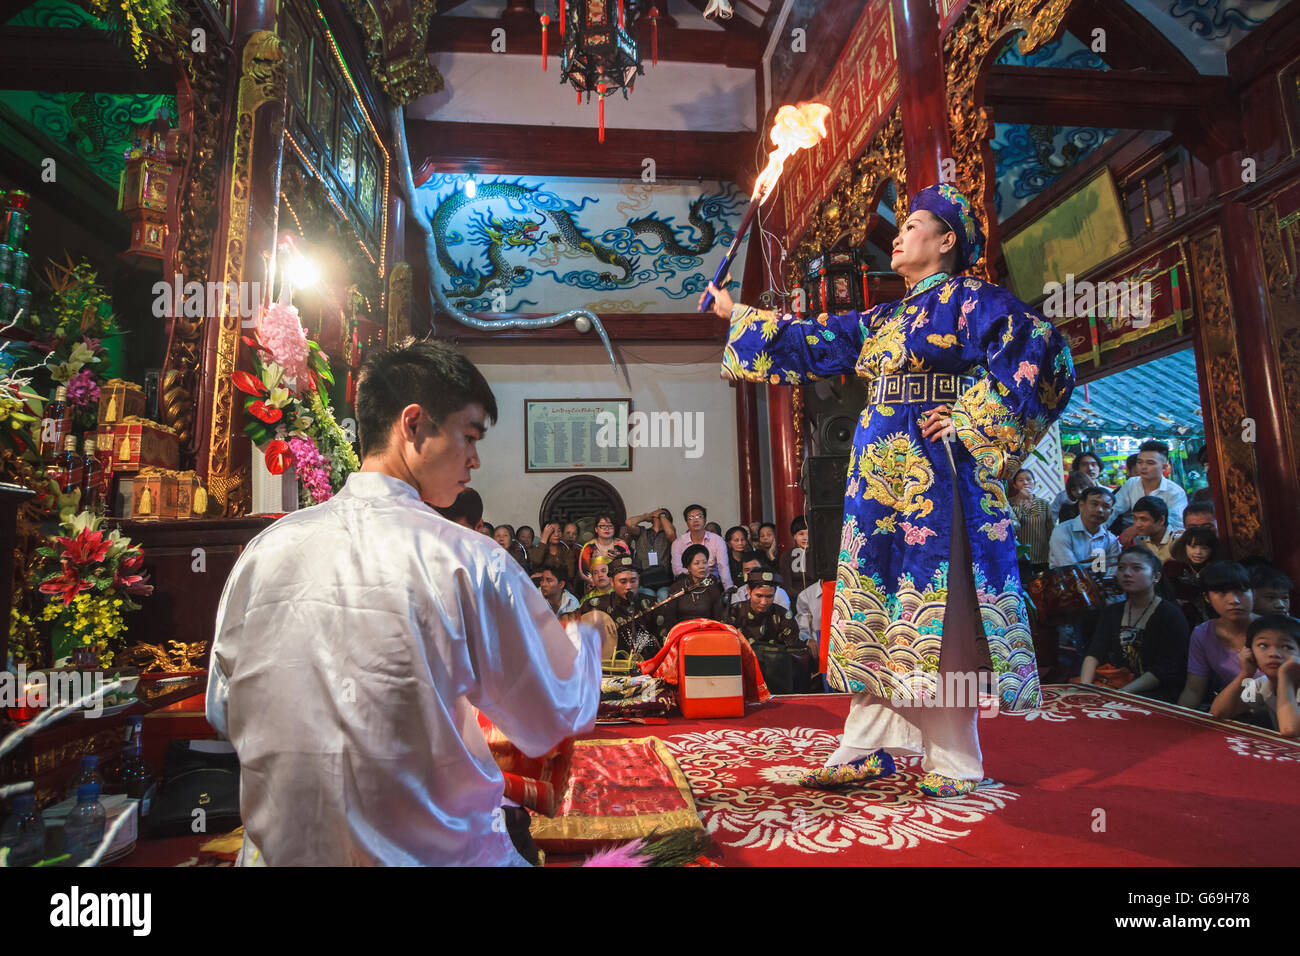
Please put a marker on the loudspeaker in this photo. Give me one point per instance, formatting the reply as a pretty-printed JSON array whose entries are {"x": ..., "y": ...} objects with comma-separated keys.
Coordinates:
[
  {"x": 824, "y": 480},
  {"x": 833, "y": 408}
]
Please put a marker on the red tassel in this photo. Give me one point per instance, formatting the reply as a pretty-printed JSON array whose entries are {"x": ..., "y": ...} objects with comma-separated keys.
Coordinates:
[
  {"x": 866, "y": 294},
  {"x": 822, "y": 272},
  {"x": 600, "y": 90},
  {"x": 578, "y": 93},
  {"x": 561, "y": 19},
  {"x": 620, "y": 14},
  {"x": 545, "y": 21},
  {"x": 654, "y": 35}
]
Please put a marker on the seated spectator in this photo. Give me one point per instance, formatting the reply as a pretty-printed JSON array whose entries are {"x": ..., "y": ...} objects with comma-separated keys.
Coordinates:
[
  {"x": 796, "y": 564},
  {"x": 714, "y": 528},
  {"x": 1034, "y": 532},
  {"x": 600, "y": 583},
  {"x": 1085, "y": 539},
  {"x": 1214, "y": 646},
  {"x": 1194, "y": 551},
  {"x": 698, "y": 592},
  {"x": 603, "y": 544},
  {"x": 504, "y": 535},
  {"x": 785, "y": 661},
  {"x": 1085, "y": 464},
  {"x": 1140, "y": 645},
  {"x": 1151, "y": 527},
  {"x": 1272, "y": 589},
  {"x": 753, "y": 532},
  {"x": 1273, "y": 648},
  {"x": 713, "y": 545},
  {"x": 767, "y": 549},
  {"x": 1075, "y": 485},
  {"x": 629, "y": 609},
  {"x": 737, "y": 539},
  {"x": 1200, "y": 514},
  {"x": 751, "y": 562},
  {"x": 487, "y": 529},
  {"x": 808, "y": 615},
  {"x": 1131, "y": 466},
  {"x": 466, "y": 510},
  {"x": 551, "y": 582},
  {"x": 1151, "y": 482},
  {"x": 525, "y": 536},
  {"x": 1205, "y": 495},
  {"x": 553, "y": 551},
  {"x": 652, "y": 548},
  {"x": 569, "y": 535}
]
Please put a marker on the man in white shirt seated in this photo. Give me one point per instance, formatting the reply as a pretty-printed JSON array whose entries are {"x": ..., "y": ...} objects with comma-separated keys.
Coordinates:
[
  {"x": 550, "y": 581},
  {"x": 1085, "y": 539},
  {"x": 753, "y": 561},
  {"x": 355, "y": 639},
  {"x": 1150, "y": 481},
  {"x": 719, "y": 567},
  {"x": 808, "y": 615}
]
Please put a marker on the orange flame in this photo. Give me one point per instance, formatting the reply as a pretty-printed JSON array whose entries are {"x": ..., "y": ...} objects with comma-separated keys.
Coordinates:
[{"x": 795, "y": 128}]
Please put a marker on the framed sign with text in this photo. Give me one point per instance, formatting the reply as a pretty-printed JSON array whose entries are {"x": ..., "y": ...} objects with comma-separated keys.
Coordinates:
[{"x": 579, "y": 435}]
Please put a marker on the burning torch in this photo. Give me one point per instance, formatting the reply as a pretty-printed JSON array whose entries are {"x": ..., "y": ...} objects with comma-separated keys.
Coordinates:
[{"x": 795, "y": 128}]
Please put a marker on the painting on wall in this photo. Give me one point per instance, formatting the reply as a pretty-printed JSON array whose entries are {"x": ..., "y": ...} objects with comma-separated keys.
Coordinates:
[
  {"x": 525, "y": 244},
  {"x": 1085, "y": 228}
]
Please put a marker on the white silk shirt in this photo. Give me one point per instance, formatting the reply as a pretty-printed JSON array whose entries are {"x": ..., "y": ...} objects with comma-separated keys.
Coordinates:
[{"x": 354, "y": 641}]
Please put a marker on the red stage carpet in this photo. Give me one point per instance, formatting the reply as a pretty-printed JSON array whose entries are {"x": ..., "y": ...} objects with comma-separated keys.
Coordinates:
[{"x": 1095, "y": 778}]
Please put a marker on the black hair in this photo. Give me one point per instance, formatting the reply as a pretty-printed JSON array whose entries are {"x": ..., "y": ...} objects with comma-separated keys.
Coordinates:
[
  {"x": 1153, "y": 445},
  {"x": 1153, "y": 506},
  {"x": 668, "y": 514},
  {"x": 1225, "y": 576},
  {"x": 428, "y": 373},
  {"x": 750, "y": 555},
  {"x": 526, "y": 527},
  {"x": 767, "y": 524},
  {"x": 558, "y": 569},
  {"x": 1095, "y": 490},
  {"x": 732, "y": 530},
  {"x": 1146, "y": 554},
  {"x": 713, "y": 524},
  {"x": 1269, "y": 578},
  {"x": 1206, "y": 537},
  {"x": 1077, "y": 482},
  {"x": 509, "y": 528},
  {"x": 1130, "y": 461},
  {"x": 490, "y": 528},
  {"x": 1078, "y": 460},
  {"x": 700, "y": 508},
  {"x": 1273, "y": 622},
  {"x": 468, "y": 505},
  {"x": 798, "y": 524},
  {"x": 1199, "y": 508},
  {"x": 689, "y": 554}
]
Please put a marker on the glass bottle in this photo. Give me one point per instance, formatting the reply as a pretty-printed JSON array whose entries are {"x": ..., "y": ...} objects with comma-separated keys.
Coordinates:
[
  {"x": 66, "y": 469},
  {"x": 55, "y": 425},
  {"x": 24, "y": 832},
  {"x": 94, "y": 482},
  {"x": 134, "y": 777},
  {"x": 84, "y": 829}
]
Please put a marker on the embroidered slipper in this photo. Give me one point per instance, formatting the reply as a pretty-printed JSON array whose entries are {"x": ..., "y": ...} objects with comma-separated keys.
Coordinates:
[
  {"x": 937, "y": 785},
  {"x": 870, "y": 767}
]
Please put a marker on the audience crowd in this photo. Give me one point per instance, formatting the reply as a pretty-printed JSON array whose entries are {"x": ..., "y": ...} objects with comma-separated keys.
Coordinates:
[{"x": 1177, "y": 621}]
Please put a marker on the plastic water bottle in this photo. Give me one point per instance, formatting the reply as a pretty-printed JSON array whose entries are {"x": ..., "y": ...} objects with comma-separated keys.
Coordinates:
[
  {"x": 89, "y": 773},
  {"x": 24, "y": 832},
  {"x": 85, "y": 827}
]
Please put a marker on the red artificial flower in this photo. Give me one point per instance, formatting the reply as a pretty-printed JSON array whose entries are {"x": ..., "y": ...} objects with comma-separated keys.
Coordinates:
[
  {"x": 278, "y": 457},
  {"x": 89, "y": 547},
  {"x": 67, "y": 585},
  {"x": 135, "y": 584},
  {"x": 250, "y": 342},
  {"x": 264, "y": 412},
  {"x": 249, "y": 384},
  {"x": 132, "y": 560}
]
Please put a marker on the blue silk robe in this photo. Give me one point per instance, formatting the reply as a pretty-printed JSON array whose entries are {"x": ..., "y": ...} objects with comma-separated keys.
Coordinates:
[{"x": 892, "y": 583}]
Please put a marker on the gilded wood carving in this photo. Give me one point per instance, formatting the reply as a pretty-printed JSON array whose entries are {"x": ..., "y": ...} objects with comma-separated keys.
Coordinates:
[{"x": 1277, "y": 251}]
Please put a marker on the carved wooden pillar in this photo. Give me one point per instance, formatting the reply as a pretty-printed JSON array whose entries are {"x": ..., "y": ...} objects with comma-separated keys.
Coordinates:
[
  {"x": 786, "y": 460},
  {"x": 924, "y": 96},
  {"x": 250, "y": 210},
  {"x": 751, "y": 482}
]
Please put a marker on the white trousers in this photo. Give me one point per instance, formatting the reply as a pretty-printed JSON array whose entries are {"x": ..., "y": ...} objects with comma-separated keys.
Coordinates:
[{"x": 948, "y": 737}]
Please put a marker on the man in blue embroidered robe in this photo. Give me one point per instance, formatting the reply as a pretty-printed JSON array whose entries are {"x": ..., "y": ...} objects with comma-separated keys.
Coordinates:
[{"x": 962, "y": 379}]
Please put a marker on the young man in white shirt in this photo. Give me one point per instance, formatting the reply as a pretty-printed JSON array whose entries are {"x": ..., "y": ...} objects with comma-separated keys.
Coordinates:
[
  {"x": 1150, "y": 481},
  {"x": 356, "y": 638}
]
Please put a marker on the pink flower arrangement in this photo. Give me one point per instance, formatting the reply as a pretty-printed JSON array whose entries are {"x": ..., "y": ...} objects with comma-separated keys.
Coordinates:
[
  {"x": 313, "y": 468},
  {"x": 281, "y": 333},
  {"x": 83, "y": 389}
]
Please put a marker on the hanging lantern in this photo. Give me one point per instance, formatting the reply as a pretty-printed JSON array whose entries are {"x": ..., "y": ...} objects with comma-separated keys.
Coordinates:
[
  {"x": 600, "y": 54},
  {"x": 144, "y": 191}
]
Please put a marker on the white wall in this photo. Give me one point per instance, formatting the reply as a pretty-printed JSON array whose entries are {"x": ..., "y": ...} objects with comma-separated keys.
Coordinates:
[{"x": 683, "y": 377}]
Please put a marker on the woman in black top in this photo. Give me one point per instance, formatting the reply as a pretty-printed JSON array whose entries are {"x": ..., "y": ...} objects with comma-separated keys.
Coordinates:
[
  {"x": 1146, "y": 634},
  {"x": 701, "y": 594},
  {"x": 737, "y": 544}
]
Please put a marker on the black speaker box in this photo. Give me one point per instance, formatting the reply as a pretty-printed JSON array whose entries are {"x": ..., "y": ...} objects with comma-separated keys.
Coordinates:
[
  {"x": 833, "y": 408},
  {"x": 824, "y": 480}
]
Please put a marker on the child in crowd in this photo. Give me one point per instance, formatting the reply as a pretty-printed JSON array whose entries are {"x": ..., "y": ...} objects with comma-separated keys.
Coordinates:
[
  {"x": 1274, "y": 647},
  {"x": 1215, "y": 645},
  {"x": 1272, "y": 590}
]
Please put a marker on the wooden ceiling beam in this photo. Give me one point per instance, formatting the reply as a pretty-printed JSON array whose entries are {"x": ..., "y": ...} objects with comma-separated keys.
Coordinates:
[{"x": 500, "y": 149}]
